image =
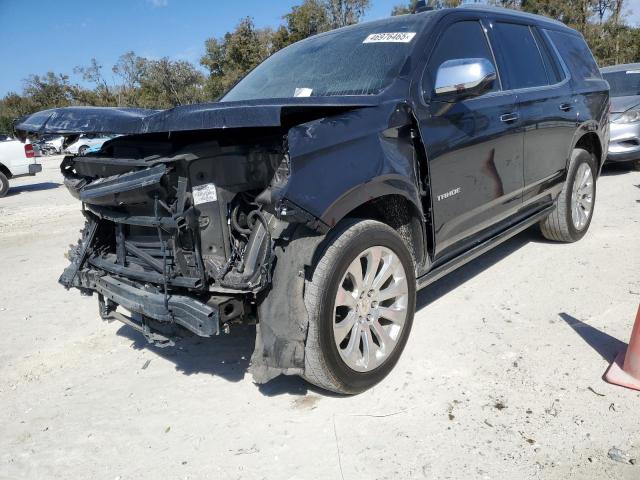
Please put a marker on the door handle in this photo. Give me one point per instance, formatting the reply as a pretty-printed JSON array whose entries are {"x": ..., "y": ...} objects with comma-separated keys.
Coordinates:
[
  {"x": 509, "y": 117},
  {"x": 565, "y": 107}
]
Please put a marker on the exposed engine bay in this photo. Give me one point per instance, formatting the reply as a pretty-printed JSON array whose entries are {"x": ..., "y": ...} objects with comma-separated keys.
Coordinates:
[{"x": 178, "y": 229}]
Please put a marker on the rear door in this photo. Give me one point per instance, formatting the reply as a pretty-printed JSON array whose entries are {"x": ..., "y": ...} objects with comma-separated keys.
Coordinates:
[
  {"x": 473, "y": 146},
  {"x": 545, "y": 102}
]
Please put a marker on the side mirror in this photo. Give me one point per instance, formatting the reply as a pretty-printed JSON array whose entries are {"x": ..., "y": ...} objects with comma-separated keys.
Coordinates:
[{"x": 465, "y": 78}]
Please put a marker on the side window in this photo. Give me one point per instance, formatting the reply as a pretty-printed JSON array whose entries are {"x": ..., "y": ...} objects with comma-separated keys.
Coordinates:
[
  {"x": 576, "y": 55},
  {"x": 464, "y": 39},
  {"x": 521, "y": 56},
  {"x": 551, "y": 63}
]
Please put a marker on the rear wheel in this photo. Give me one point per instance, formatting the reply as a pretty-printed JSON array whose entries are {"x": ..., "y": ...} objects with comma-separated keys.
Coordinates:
[
  {"x": 572, "y": 216},
  {"x": 361, "y": 303},
  {"x": 4, "y": 185}
]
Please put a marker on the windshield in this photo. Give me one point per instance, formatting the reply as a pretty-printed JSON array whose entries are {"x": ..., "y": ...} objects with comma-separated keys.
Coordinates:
[
  {"x": 360, "y": 60},
  {"x": 625, "y": 83}
]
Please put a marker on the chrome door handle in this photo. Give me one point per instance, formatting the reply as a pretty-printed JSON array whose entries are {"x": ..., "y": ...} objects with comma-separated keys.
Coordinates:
[
  {"x": 565, "y": 107},
  {"x": 509, "y": 117}
]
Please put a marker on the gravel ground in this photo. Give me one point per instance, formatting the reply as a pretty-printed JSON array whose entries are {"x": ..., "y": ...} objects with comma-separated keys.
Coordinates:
[{"x": 501, "y": 377}]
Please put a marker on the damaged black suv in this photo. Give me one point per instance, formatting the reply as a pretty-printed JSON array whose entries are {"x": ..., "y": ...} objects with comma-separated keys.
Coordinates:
[{"x": 335, "y": 179}]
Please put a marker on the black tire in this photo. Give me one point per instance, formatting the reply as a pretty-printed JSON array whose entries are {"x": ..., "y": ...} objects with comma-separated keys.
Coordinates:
[
  {"x": 4, "y": 185},
  {"x": 83, "y": 150},
  {"x": 559, "y": 226},
  {"x": 324, "y": 366},
  {"x": 636, "y": 165}
]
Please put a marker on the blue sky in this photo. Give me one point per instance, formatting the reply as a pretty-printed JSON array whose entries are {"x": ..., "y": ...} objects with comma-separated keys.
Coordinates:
[{"x": 43, "y": 35}]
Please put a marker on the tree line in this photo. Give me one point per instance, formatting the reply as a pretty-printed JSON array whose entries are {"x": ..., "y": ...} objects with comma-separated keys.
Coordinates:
[{"x": 136, "y": 81}]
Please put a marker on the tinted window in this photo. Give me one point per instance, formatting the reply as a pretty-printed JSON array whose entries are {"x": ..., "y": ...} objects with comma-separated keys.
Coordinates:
[
  {"x": 521, "y": 56},
  {"x": 551, "y": 65},
  {"x": 625, "y": 83},
  {"x": 460, "y": 40},
  {"x": 359, "y": 60},
  {"x": 576, "y": 55}
]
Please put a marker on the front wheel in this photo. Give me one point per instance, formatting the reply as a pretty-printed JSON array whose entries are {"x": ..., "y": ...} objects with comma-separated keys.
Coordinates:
[
  {"x": 361, "y": 303},
  {"x": 572, "y": 216},
  {"x": 83, "y": 150}
]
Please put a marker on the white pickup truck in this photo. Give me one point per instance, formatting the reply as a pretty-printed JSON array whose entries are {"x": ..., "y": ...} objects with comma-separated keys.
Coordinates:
[{"x": 17, "y": 159}]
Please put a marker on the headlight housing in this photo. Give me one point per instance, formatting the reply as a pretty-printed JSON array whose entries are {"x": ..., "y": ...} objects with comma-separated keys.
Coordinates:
[{"x": 632, "y": 116}]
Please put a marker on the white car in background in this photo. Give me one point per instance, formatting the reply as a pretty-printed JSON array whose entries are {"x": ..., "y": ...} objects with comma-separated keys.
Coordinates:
[
  {"x": 17, "y": 159},
  {"x": 85, "y": 142},
  {"x": 54, "y": 142}
]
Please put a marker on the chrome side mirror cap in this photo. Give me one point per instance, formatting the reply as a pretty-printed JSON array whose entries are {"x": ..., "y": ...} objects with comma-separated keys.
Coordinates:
[{"x": 466, "y": 77}]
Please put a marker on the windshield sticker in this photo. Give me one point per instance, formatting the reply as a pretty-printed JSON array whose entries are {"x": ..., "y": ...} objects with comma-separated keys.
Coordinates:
[
  {"x": 303, "y": 92},
  {"x": 395, "y": 37},
  {"x": 631, "y": 72},
  {"x": 204, "y": 194}
]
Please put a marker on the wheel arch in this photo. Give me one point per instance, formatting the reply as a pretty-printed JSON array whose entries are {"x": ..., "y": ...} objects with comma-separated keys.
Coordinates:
[
  {"x": 403, "y": 215},
  {"x": 5, "y": 171},
  {"x": 590, "y": 141}
]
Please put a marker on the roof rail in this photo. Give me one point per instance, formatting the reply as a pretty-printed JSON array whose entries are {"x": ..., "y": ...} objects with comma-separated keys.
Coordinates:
[{"x": 510, "y": 11}]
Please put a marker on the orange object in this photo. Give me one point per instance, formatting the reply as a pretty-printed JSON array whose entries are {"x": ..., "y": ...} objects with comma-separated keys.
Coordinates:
[{"x": 625, "y": 369}]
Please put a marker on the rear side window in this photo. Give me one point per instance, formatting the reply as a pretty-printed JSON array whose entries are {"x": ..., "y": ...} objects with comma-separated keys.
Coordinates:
[
  {"x": 576, "y": 55},
  {"x": 551, "y": 65},
  {"x": 521, "y": 56},
  {"x": 461, "y": 40}
]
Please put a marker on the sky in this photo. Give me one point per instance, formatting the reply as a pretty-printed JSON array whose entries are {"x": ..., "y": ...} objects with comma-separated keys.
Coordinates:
[{"x": 37, "y": 36}]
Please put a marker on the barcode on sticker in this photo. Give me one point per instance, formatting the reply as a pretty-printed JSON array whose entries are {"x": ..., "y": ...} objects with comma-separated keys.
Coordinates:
[
  {"x": 204, "y": 194},
  {"x": 393, "y": 37}
]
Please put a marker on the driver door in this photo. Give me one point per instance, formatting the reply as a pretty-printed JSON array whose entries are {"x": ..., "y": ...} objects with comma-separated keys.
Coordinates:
[{"x": 474, "y": 148}]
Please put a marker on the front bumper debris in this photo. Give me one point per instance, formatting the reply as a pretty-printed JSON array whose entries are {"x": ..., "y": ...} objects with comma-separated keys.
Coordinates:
[{"x": 197, "y": 317}]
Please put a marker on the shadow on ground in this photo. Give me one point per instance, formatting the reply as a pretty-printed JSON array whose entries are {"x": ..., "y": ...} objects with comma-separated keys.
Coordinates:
[
  {"x": 32, "y": 187},
  {"x": 226, "y": 356},
  {"x": 603, "y": 343},
  {"x": 463, "y": 274},
  {"x": 613, "y": 169}
]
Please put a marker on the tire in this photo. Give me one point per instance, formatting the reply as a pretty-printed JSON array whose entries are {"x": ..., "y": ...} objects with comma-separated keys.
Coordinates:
[
  {"x": 636, "y": 166},
  {"x": 568, "y": 224},
  {"x": 4, "y": 185},
  {"x": 83, "y": 150},
  {"x": 325, "y": 365}
]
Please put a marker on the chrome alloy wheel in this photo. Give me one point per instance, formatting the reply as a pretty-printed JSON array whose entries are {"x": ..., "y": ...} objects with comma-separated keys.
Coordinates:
[
  {"x": 582, "y": 197},
  {"x": 370, "y": 309}
]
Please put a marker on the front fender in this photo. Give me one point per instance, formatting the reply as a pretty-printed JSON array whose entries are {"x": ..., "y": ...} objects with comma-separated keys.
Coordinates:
[{"x": 341, "y": 162}]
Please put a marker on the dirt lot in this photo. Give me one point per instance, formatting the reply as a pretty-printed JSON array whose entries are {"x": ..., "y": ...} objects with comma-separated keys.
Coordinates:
[{"x": 501, "y": 377}]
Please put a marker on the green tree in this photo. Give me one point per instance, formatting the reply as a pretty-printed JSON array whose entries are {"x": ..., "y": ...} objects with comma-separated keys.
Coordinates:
[
  {"x": 345, "y": 12},
  {"x": 167, "y": 83},
  {"x": 48, "y": 91},
  {"x": 130, "y": 70},
  {"x": 231, "y": 57},
  {"x": 302, "y": 22},
  {"x": 103, "y": 95},
  {"x": 14, "y": 106}
]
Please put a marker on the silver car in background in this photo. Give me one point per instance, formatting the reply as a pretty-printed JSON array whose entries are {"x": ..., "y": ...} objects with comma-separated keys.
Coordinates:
[{"x": 624, "y": 81}]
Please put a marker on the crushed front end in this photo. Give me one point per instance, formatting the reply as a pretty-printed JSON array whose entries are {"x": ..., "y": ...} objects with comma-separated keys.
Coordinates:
[{"x": 178, "y": 231}]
